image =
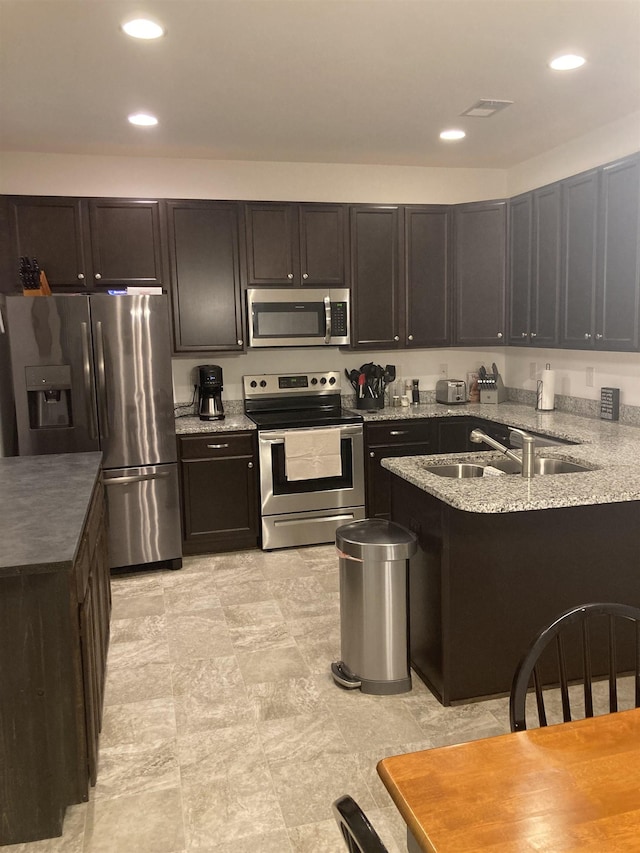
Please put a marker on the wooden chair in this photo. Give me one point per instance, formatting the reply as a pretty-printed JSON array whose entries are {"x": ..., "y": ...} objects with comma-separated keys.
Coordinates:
[
  {"x": 358, "y": 834},
  {"x": 575, "y": 661}
]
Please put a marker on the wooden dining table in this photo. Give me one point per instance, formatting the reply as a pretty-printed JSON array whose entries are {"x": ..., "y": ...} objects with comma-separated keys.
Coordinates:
[{"x": 569, "y": 787}]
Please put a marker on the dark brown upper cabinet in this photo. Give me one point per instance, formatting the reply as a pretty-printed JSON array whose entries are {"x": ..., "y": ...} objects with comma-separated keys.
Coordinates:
[
  {"x": 125, "y": 242},
  {"x": 88, "y": 244},
  {"x": 375, "y": 275},
  {"x": 55, "y": 231},
  {"x": 580, "y": 227},
  {"x": 400, "y": 276},
  {"x": 534, "y": 267},
  {"x": 295, "y": 244},
  {"x": 479, "y": 270},
  {"x": 426, "y": 277},
  {"x": 618, "y": 279},
  {"x": 205, "y": 275},
  {"x": 601, "y": 258}
]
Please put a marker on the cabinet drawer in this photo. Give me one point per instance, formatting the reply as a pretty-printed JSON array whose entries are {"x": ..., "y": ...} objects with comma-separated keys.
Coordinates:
[
  {"x": 217, "y": 444},
  {"x": 398, "y": 432}
]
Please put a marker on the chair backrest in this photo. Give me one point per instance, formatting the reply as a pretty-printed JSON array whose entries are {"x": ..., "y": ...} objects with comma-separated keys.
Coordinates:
[
  {"x": 582, "y": 662},
  {"x": 358, "y": 834}
]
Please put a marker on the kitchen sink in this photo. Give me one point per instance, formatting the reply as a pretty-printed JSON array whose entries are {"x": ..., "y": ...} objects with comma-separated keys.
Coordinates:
[
  {"x": 541, "y": 465},
  {"x": 460, "y": 471}
]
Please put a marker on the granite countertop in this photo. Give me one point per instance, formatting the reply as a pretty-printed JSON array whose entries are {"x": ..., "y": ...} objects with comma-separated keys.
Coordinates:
[
  {"x": 612, "y": 450},
  {"x": 44, "y": 502},
  {"x": 192, "y": 425}
]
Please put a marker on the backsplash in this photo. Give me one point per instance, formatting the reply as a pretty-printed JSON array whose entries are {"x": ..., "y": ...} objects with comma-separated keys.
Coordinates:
[{"x": 629, "y": 415}]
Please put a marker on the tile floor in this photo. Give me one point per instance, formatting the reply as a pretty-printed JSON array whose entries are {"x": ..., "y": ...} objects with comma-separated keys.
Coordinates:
[{"x": 223, "y": 730}]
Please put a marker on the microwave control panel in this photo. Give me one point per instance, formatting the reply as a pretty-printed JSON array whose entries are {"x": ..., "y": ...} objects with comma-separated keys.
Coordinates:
[{"x": 339, "y": 319}]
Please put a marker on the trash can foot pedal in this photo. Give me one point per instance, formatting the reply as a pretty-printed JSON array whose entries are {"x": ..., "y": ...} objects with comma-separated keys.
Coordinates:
[{"x": 344, "y": 679}]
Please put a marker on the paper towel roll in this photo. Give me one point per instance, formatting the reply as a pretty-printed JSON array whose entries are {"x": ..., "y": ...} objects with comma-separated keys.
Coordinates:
[{"x": 546, "y": 390}]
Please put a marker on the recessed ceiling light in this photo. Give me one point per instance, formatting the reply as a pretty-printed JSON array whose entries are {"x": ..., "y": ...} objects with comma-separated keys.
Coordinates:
[
  {"x": 452, "y": 134},
  {"x": 143, "y": 119},
  {"x": 143, "y": 28},
  {"x": 567, "y": 62}
]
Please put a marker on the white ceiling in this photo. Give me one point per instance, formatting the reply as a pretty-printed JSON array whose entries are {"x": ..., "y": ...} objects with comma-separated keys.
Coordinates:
[{"x": 333, "y": 81}]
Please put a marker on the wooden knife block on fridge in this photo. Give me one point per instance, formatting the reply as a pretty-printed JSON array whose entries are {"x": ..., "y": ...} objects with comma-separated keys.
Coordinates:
[{"x": 42, "y": 290}]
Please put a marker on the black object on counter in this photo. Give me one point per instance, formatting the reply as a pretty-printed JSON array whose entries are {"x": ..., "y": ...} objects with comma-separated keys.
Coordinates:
[
  {"x": 609, "y": 404},
  {"x": 370, "y": 383}
]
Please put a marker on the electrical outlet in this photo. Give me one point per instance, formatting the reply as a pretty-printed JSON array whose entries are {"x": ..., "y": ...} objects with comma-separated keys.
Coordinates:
[
  {"x": 590, "y": 374},
  {"x": 444, "y": 371},
  {"x": 533, "y": 370}
]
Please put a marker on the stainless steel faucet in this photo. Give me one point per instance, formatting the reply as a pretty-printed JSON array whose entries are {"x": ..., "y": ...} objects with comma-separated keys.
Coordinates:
[{"x": 528, "y": 447}]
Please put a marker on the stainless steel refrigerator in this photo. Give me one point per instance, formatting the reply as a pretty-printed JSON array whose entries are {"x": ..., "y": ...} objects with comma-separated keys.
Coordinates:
[
  {"x": 94, "y": 373},
  {"x": 8, "y": 437}
]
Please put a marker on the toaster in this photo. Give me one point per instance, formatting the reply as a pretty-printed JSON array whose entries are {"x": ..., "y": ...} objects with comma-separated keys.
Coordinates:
[{"x": 451, "y": 391}]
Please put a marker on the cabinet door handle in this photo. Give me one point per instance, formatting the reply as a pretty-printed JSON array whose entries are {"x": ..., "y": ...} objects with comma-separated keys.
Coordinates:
[
  {"x": 587, "y": 336},
  {"x": 523, "y": 334},
  {"x": 372, "y": 454},
  {"x": 249, "y": 464},
  {"x": 499, "y": 335},
  {"x": 410, "y": 337},
  {"x": 534, "y": 334},
  {"x": 290, "y": 276},
  {"x": 81, "y": 276},
  {"x": 396, "y": 337},
  {"x": 240, "y": 342},
  {"x": 599, "y": 337},
  {"x": 216, "y": 446},
  {"x": 305, "y": 275},
  {"x": 398, "y": 432},
  {"x": 98, "y": 276}
]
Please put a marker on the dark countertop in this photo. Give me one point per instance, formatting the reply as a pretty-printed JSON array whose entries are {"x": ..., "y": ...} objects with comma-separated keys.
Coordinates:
[
  {"x": 612, "y": 450},
  {"x": 44, "y": 501}
]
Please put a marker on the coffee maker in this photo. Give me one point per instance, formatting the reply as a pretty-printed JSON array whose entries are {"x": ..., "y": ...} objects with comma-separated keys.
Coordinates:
[{"x": 210, "y": 406}]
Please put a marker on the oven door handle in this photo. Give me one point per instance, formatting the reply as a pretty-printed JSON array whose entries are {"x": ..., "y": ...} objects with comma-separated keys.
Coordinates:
[{"x": 278, "y": 437}]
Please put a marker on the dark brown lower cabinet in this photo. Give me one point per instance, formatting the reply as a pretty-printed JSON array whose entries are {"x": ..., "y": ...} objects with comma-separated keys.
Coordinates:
[
  {"x": 219, "y": 491},
  {"x": 382, "y": 440},
  {"x": 484, "y": 584},
  {"x": 54, "y": 635}
]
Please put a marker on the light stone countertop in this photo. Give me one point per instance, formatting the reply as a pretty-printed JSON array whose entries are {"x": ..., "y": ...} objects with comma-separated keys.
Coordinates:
[
  {"x": 44, "y": 502},
  {"x": 192, "y": 425},
  {"x": 612, "y": 450}
]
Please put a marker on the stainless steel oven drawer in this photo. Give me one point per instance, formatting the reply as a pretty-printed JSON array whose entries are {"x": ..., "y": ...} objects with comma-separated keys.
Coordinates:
[{"x": 306, "y": 528}]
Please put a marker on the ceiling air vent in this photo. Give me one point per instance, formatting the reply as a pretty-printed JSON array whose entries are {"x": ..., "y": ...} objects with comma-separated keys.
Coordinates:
[{"x": 486, "y": 108}]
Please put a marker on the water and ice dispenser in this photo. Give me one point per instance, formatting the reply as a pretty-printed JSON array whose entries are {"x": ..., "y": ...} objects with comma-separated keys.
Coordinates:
[{"x": 49, "y": 396}]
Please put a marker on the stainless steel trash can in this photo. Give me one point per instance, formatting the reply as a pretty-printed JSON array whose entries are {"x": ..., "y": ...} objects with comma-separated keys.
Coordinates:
[{"x": 374, "y": 587}]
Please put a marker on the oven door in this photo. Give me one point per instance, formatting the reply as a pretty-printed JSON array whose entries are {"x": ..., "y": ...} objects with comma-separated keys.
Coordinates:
[{"x": 279, "y": 495}]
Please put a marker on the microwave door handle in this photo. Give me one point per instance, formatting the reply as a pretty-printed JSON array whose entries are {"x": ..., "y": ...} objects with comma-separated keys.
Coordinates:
[{"x": 327, "y": 319}]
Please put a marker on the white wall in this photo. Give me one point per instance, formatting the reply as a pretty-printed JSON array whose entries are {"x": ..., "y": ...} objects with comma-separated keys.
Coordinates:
[
  {"x": 424, "y": 365},
  {"x": 603, "y": 145},
  {"x": 610, "y": 369},
  {"x": 27, "y": 173}
]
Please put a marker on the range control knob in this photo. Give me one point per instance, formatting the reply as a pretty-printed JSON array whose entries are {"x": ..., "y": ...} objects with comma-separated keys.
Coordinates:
[
  {"x": 253, "y": 383},
  {"x": 332, "y": 380},
  {"x": 323, "y": 381},
  {"x": 263, "y": 383},
  {"x": 314, "y": 381}
]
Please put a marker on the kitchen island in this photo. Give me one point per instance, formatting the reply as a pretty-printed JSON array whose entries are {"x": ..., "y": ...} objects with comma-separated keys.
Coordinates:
[
  {"x": 54, "y": 629},
  {"x": 500, "y": 556}
]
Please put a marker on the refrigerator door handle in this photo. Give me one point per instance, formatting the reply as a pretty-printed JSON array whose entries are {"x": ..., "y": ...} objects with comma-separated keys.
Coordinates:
[
  {"x": 135, "y": 478},
  {"x": 88, "y": 386},
  {"x": 102, "y": 381}
]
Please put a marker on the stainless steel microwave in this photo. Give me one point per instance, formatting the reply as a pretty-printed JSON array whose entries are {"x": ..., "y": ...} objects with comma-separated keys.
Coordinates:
[{"x": 298, "y": 317}]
